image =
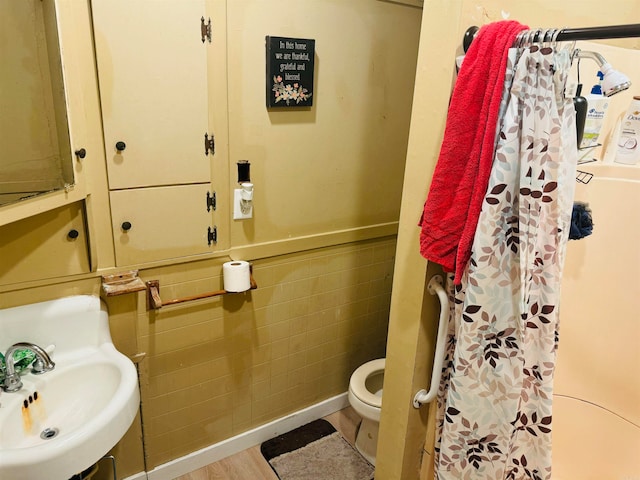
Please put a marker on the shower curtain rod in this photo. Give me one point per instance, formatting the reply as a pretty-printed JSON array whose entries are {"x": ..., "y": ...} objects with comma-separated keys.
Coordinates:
[{"x": 631, "y": 30}]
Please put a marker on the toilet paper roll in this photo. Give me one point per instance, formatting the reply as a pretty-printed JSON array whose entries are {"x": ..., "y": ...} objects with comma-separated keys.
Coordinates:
[{"x": 236, "y": 275}]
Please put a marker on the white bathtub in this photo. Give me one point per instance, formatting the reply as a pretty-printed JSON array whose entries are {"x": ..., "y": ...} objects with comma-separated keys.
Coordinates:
[{"x": 596, "y": 412}]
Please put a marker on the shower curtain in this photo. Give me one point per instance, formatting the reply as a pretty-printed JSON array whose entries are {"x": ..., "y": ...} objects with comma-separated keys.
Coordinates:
[{"x": 494, "y": 406}]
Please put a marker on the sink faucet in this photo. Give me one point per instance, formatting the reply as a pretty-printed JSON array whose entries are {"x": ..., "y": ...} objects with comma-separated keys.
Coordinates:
[{"x": 41, "y": 364}]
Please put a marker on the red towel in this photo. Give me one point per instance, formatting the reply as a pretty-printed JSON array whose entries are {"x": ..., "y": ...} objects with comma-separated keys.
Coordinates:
[{"x": 461, "y": 175}]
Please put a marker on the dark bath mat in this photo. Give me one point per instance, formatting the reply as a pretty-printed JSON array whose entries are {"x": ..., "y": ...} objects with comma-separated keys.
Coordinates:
[{"x": 315, "y": 451}]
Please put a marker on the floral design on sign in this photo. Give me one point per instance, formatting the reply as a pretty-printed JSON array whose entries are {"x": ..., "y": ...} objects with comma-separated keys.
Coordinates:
[{"x": 289, "y": 93}]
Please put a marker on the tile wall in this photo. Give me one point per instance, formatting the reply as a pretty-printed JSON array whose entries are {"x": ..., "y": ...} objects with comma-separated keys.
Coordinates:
[{"x": 217, "y": 367}]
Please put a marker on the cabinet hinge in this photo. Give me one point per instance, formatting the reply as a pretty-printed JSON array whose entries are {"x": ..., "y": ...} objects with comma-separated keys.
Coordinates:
[
  {"x": 212, "y": 235},
  {"x": 211, "y": 201},
  {"x": 209, "y": 144},
  {"x": 205, "y": 30}
]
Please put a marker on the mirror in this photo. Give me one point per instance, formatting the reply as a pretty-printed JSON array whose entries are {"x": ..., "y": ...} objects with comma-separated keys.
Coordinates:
[{"x": 35, "y": 151}]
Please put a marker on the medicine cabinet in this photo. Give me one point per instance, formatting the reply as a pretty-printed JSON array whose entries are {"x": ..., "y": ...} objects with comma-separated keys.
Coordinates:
[{"x": 35, "y": 151}]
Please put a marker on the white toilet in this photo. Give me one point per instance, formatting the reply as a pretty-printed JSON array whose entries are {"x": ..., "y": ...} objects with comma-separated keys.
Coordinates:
[{"x": 365, "y": 396}]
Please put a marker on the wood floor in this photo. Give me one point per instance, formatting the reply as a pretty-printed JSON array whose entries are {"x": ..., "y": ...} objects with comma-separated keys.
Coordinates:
[{"x": 250, "y": 464}]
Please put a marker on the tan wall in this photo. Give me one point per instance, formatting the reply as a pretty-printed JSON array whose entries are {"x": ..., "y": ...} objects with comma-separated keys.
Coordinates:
[
  {"x": 338, "y": 165},
  {"x": 409, "y": 351},
  {"x": 322, "y": 241}
]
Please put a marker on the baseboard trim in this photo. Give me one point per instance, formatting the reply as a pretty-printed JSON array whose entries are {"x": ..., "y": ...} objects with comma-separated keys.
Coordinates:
[
  {"x": 220, "y": 450},
  {"x": 138, "y": 476}
]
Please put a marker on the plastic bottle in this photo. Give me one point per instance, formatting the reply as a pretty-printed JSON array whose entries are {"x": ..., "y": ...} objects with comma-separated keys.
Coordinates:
[
  {"x": 596, "y": 109},
  {"x": 627, "y": 148}
]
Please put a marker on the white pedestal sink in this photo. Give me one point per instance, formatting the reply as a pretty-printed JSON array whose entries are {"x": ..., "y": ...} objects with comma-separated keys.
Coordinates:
[{"x": 63, "y": 421}]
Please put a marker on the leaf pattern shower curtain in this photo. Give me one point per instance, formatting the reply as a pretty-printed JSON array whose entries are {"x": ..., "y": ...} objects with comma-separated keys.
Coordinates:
[{"x": 494, "y": 405}]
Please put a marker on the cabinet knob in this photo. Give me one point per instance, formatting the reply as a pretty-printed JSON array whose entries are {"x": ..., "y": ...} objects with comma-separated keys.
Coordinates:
[
  {"x": 81, "y": 153},
  {"x": 73, "y": 234},
  {"x": 120, "y": 146},
  {"x": 126, "y": 226}
]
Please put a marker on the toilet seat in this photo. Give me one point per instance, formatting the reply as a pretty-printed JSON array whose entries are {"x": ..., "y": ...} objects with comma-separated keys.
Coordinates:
[{"x": 357, "y": 383}]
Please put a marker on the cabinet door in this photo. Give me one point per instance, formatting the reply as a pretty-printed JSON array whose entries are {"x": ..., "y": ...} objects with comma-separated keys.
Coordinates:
[
  {"x": 151, "y": 224},
  {"x": 152, "y": 73},
  {"x": 52, "y": 244}
]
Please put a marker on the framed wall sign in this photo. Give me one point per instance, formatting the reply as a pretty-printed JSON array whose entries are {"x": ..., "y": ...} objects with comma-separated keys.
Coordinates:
[{"x": 289, "y": 72}]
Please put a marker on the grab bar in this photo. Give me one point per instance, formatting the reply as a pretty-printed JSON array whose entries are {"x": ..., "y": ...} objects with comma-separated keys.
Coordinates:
[{"x": 435, "y": 287}]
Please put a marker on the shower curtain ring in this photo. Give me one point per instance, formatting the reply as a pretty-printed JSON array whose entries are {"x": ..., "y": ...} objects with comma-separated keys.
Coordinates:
[
  {"x": 554, "y": 38},
  {"x": 523, "y": 38},
  {"x": 548, "y": 35},
  {"x": 542, "y": 37},
  {"x": 515, "y": 40},
  {"x": 537, "y": 37}
]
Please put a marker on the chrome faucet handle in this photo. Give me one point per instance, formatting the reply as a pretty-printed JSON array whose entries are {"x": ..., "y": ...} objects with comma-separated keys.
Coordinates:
[
  {"x": 12, "y": 383},
  {"x": 41, "y": 364}
]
